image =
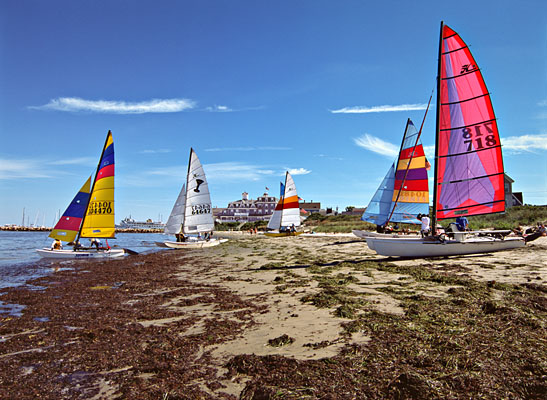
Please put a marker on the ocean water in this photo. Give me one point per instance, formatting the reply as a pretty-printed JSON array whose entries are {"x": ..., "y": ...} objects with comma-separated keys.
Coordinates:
[{"x": 19, "y": 261}]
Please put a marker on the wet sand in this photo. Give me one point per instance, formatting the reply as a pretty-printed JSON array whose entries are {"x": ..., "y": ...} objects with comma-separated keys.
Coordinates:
[{"x": 298, "y": 317}]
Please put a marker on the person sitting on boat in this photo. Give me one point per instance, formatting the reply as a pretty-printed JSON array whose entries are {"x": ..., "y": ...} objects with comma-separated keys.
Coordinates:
[
  {"x": 462, "y": 224},
  {"x": 380, "y": 229},
  {"x": 293, "y": 229},
  {"x": 425, "y": 225},
  {"x": 95, "y": 242},
  {"x": 76, "y": 245},
  {"x": 56, "y": 245}
]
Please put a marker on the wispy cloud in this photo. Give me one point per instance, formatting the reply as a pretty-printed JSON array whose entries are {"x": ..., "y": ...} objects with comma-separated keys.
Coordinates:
[
  {"x": 379, "y": 109},
  {"x": 328, "y": 157},
  {"x": 525, "y": 143},
  {"x": 224, "y": 171},
  {"x": 543, "y": 103},
  {"x": 75, "y": 104},
  {"x": 158, "y": 151},
  {"x": 298, "y": 171},
  {"x": 74, "y": 161},
  {"x": 219, "y": 109},
  {"x": 22, "y": 169},
  {"x": 377, "y": 145},
  {"x": 249, "y": 148}
]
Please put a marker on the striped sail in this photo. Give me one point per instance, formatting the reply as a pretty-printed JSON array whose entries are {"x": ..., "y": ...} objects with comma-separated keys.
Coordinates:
[
  {"x": 176, "y": 218},
  {"x": 99, "y": 218},
  {"x": 411, "y": 188},
  {"x": 404, "y": 192},
  {"x": 469, "y": 167},
  {"x": 69, "y": 224},
  {"x": 198, "y": 214},
  {"x": 290, "y": 214}
]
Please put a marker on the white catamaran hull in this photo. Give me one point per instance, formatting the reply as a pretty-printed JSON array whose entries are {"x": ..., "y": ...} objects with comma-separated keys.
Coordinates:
[
  {"x": 193, "y": 244},
  {"x": 428, "y": 247},
  {"x": 367, "y": 234},
  {"x": 80, "y": 254}
]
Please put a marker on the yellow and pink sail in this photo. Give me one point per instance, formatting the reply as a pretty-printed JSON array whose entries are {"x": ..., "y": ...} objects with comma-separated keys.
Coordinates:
[
  {"x": 469, "y": 175},
  {"x": 91, "y": 212}
]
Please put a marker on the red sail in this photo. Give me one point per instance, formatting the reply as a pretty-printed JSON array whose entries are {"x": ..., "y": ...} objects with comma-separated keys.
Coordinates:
[{"x": 469, "y": 166}]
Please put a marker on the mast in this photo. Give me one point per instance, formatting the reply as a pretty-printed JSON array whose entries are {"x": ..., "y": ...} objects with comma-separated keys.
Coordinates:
[
  {"x": 395, "y": 171},
  {"x": 283, "y": 200},
  {"x": 437, "y": 132},
  {"x": 187, "y": 189},
  {"x": 92, "y": 187}
]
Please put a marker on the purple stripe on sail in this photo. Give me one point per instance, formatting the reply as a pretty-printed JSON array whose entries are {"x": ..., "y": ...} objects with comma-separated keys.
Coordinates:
[{"x": 418, "y": 173}]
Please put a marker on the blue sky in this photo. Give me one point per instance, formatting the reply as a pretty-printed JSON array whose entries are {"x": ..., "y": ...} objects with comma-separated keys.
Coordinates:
[{"x": 321, "y": 88}]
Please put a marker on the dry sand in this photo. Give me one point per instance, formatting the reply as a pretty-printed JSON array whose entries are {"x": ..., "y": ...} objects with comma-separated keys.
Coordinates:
[{"x": 266, "y": 282}]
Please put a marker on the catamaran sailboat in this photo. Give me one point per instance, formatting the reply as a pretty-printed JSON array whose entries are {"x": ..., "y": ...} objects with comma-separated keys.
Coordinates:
[
  {"x": 469, "y": 175},
  {"x": 286, "y": 216},
  {"x": 90, "y": 214},
  {"x": 404, "y": 192},
  {"x": 192, "y": 212}
]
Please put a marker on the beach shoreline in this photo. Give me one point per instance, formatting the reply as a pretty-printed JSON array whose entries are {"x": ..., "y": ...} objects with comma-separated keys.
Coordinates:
[{"x": 258, "y": 316}]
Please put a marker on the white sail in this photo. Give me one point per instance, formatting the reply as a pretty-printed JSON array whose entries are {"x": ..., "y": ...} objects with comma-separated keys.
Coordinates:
[
  {"x": 176, "y": 219},
  {"x": 198, "y": 215},
  {"x": 275, "y": 219},
  {"x": 291, "y": 208}
]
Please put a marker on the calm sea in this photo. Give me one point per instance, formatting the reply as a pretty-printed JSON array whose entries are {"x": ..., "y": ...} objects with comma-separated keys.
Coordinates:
[{"x": 19, "y": 261}]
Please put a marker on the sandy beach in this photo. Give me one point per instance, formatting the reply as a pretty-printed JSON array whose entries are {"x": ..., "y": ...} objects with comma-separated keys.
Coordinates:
[{"x": 285, "y": 318}]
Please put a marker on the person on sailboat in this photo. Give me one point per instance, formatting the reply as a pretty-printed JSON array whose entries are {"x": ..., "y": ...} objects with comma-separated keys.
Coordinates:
[
  {"x": 95, "y": 242},
  {"x": 56, "y": 245},
  {"x": 425, "y": 224},
  {"x": 462, "y": 224}
]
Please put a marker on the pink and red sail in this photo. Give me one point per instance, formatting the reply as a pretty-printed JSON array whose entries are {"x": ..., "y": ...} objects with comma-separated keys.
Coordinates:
[{"x": 470, "y": 176}]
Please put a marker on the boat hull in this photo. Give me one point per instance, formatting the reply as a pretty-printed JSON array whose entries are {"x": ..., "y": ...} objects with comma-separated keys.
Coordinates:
[
  {"x": 81, "y": 254},
  {"x": 197, "y": 244},
  {"x": 367, "y": 234},
  {"x": 426, "y": 247},
  {"x": 282, "y": 234}
]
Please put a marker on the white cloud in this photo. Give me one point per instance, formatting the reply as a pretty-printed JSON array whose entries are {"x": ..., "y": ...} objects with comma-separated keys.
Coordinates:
[
  {"x": 224, "y": 171},
  {"x": 377, "y": 145},
  {"x": 22, "y": 169},
  {"x": 525, "y": 143},
  {"x": 298, "y": 171},
  {"x": 219, "y": 109},
  {"x": 75, "y": 104},
  {"x": 158, "y": 151},
  {"x": 249, "y": 148},
  {"x": 543, "y": 103},
  {"x": 378, "y": 109},
  {"x": 75, "y": 161}
]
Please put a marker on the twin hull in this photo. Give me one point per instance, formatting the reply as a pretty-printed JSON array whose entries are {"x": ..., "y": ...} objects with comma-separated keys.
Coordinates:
[
  {"x": 425, "y": 247},
  {"x": 80, "y": 254}
]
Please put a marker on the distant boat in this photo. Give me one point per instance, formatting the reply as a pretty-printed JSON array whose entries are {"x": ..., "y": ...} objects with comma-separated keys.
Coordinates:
[
  {"x": 404, "y": 192},
  {"x": 469, "y": 175},
  {"x": 192, "y": 213},
  {"x": 286, "y": 216},
  {"x": 90, "y": 214},
  {"x": 130, "y": 223}
]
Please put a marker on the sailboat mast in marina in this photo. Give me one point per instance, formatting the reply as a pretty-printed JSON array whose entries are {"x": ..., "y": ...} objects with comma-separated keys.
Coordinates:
[{"x": 468, "y": 174}]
